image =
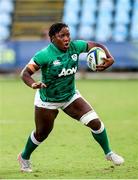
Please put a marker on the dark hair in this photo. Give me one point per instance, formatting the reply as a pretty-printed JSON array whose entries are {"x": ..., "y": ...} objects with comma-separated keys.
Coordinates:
[{"x": 55, "y": 28}]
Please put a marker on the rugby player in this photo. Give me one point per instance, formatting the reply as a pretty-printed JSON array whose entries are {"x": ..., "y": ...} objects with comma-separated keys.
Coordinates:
[{"x": 58, "y": 63}]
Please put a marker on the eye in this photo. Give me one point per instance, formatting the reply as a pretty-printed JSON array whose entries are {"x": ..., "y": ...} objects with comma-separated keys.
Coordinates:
[
  {"x": 68, "y": 34},
  {"x": 62, "y": 36}
]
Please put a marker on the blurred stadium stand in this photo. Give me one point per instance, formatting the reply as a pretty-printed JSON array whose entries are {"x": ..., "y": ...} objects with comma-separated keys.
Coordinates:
[
  {"x": 6, "y": 12},
  {"x": 112, "y": 22},
  {"x": 31, "y": 16},
  {"x": 105, "y": 20}
]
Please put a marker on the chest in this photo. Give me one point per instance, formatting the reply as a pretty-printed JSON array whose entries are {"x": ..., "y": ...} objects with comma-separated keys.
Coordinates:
[{"x": 61, "y": 65}]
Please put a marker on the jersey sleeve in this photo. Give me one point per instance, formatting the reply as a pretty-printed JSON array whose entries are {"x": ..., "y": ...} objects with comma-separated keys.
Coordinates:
[
  {"x": 81, "y": 46},
  {"x": 40, "y": 58}
]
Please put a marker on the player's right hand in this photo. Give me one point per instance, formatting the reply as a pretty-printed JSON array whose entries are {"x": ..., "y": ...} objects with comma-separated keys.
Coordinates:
[
  {"x": 107, "y": 62},
  {"x": 38, "y": 85}
]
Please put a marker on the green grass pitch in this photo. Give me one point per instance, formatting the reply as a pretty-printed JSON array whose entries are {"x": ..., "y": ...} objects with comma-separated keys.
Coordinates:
[{"x": 70, "y": 152}]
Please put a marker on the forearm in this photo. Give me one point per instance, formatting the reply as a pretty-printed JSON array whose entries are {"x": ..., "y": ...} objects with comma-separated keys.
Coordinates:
[
  {"x": 95, "y": 44},
  {"x": 26, "y": 77},
  {"x": 29, "y": 81}
]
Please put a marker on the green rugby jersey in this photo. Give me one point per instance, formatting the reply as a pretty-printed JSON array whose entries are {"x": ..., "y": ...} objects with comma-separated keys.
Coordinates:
[{"x": 58, "y": 70}]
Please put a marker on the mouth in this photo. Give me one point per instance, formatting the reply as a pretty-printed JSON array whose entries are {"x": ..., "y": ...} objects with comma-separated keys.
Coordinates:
[{"x": 66, "y": 45}]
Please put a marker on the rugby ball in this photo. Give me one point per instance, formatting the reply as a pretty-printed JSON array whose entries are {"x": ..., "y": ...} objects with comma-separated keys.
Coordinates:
[{"x": 94, "y": 57}]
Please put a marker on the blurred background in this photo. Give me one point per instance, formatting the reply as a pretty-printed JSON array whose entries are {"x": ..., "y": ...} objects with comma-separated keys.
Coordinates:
[{"x": 24, "y": 30}]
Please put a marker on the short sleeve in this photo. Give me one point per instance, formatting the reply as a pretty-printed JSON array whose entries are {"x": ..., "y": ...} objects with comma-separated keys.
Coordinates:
[
  {"x": 81, "y": 46},
  {"x": 40, "y": 58}
]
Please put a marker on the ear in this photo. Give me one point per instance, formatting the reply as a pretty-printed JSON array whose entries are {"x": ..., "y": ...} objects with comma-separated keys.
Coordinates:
[{"x": 52, "y": 38}]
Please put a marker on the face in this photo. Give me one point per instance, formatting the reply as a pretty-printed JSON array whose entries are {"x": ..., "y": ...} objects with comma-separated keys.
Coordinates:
[{"x": 62, "y": 39}]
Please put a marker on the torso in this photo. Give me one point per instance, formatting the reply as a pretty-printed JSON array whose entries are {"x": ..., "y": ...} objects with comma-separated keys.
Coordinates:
[{"x": 58, "y": 73}]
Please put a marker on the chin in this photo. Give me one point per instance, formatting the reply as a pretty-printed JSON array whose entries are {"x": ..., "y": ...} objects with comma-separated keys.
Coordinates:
[{"x": 64, "y": 49}]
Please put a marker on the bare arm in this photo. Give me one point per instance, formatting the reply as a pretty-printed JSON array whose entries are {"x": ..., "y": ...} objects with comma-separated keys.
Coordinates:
[
  {"x": 26, "y": 76},
  {"x": 107, "y": 61}
]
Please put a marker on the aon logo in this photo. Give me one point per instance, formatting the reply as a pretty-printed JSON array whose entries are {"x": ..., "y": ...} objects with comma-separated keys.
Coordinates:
[{"x": 66, "y": 72}]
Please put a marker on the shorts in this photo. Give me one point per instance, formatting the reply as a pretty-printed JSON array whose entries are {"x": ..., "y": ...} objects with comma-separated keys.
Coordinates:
[{"x": 54, "y": 105}]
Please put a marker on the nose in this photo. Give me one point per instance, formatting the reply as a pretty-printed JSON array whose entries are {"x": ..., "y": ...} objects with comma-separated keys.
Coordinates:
[{"x": 66, "y": 39}]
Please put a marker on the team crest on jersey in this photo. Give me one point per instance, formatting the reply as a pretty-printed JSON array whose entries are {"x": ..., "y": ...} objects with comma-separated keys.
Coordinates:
[
  {"x": 74, "y": 57},
  {"x": 56, "y": 63}
]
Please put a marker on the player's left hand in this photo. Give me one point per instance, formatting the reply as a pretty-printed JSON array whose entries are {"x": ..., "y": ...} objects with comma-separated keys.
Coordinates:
[{"x": 107, "y": 62}]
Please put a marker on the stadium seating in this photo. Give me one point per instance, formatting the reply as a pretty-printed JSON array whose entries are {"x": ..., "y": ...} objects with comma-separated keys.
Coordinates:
[
  {"x": 120, "y": 33},
  {"x": 71, "y": 12},
  {"x": 6, "y": 6},
  {"x": 103, "y": 33},
  {"x": 134, "y": 30},
  {"x": 102, "y": 20},
  {"x": 5, "y": 19},
  {"x": 85, "y": 32},
  {"x": 89, "y": 5},
  {"x": 4, "y": 33},
  {"x": 31, "y": 17},
  {"x": 73, "y": 31},
  {"x": 71, "y": 18},
  {"x": 104, "y": 17},
  {"x": 123, "y": 5},
  {"x": 71, "y": 5},
  {"x": 106, "y": 5},
  {"x": 122, "y": 17},
  {"x": 87, "y": 17},
  {"x": 6, "y": 10},
  {"x": 134, "y": 22}
]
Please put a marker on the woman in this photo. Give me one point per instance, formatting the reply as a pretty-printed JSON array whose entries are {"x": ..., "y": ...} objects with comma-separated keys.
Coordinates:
[{"x": 58, "y": 64}]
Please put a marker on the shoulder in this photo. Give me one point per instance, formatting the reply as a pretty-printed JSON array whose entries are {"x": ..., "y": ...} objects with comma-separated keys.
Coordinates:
[
  {"x": 43, "y": 53},
  {"x": 79, "y": 45},
  {"x": 42, "y": 56},
  {"x": 43, "y": 50},
  {"x": 78, "y": 42}
]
